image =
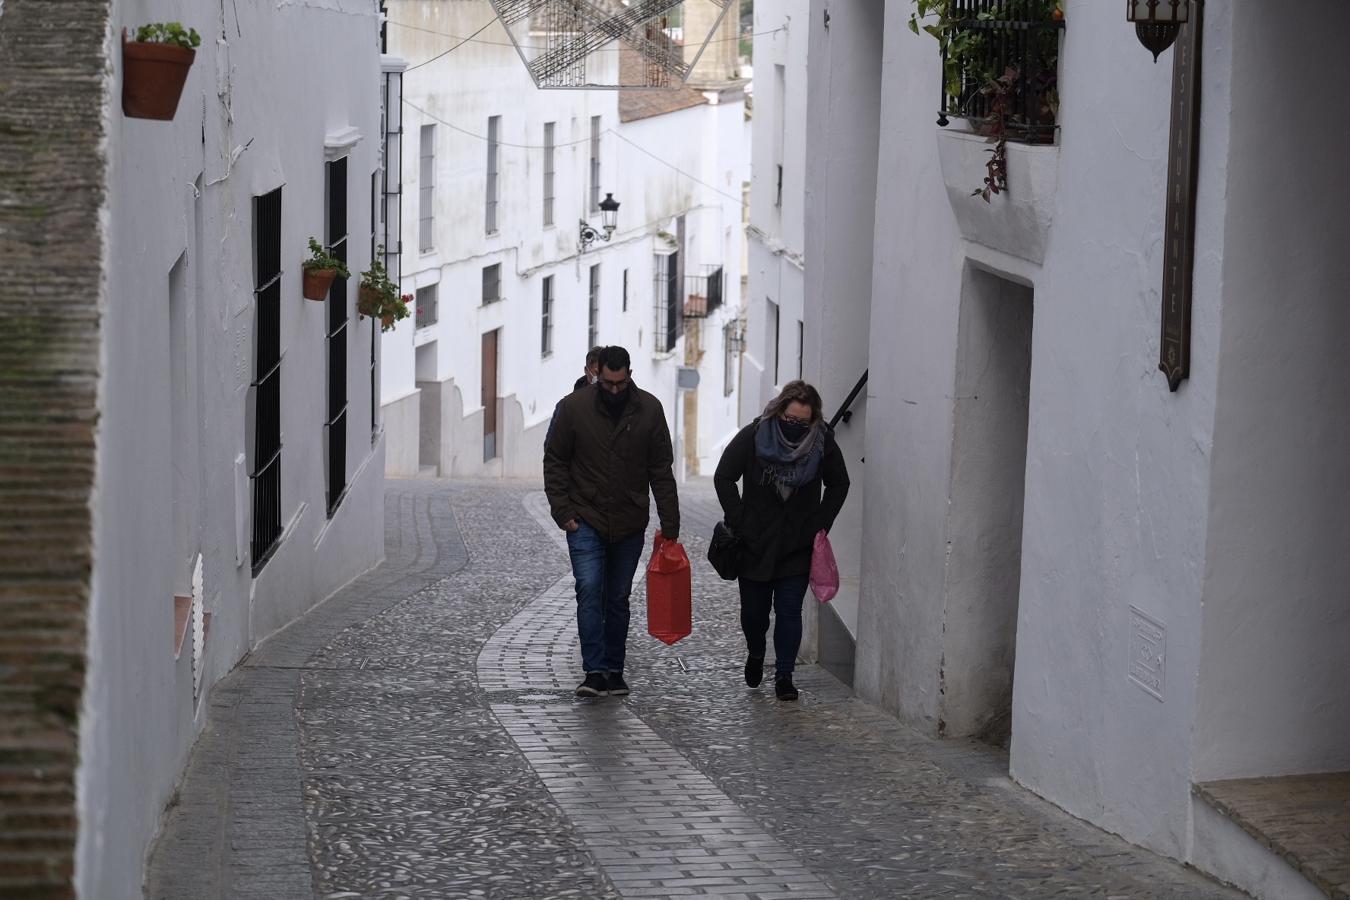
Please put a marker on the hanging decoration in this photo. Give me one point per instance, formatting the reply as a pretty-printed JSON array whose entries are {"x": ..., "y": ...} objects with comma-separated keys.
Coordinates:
[{"x": 610, "y": 44}]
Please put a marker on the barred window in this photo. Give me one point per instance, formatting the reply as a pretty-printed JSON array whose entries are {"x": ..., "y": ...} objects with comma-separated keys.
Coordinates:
[
  {"x": 335, "y": 424},
  {"x": 426, "y": 190},
  {"x": 492, "y": 283},
  {"x": 493, "y": 159},
  {"x": 265, "y": 390},
  {"x": 546, "y": 318},
  {"x": 666, "y": 301},
  {"x": 593, "y": 315},
  {"x": 428, "y": 312},
  {"x": 595, "y": 164},
  {"x": 548, "y": 172}
]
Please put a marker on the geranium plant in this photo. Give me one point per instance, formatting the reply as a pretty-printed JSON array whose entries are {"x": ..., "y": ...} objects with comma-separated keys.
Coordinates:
[
  {"x": 378, "y": 297},
  {"x": 169, "y": 33}
]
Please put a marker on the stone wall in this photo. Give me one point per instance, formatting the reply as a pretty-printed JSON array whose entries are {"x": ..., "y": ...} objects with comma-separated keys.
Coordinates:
[{"x": 51, "y": 195}]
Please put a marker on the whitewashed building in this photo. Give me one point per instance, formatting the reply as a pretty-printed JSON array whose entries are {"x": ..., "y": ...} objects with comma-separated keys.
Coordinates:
[
  {"x": 1146, "y": 588},
  {"x": 236, "y": 461},
  {"x": 498, "y": 177}
]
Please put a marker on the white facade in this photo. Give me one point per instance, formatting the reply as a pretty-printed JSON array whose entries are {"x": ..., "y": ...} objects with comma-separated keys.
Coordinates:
[
  {"x": 1041, "y": 517},
  {"x": 173, "y": 506},
  {"x": 688, "y": 163}
]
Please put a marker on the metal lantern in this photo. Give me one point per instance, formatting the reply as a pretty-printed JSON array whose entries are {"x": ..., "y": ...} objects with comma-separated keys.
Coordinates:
[
  {"x": 1157, "y": 22},
  {"x": 609, "y": 213},
  {"x": 609, "y": 218}
]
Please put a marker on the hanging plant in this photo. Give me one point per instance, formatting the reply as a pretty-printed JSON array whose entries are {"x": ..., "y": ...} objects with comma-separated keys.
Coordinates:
[
  {"x": 155, "y": 67},
  {"x": 320, "y": 271},
  {"x": 378, "y": 297}
]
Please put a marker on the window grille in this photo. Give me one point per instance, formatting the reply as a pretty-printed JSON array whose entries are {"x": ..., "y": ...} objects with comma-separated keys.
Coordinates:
[
  {"x": 595, "y": 164},
  {"x": 778, "y": 190},
  {"x": 774, "y": 334},
  {"x": 729, "y": 357},
  {"x": 427, "y": 302},
  {"x": 265, "y": 390},
  {"x": 492, "y": 283},
  {"x": 426, "y": 190},
  {"x": 546, "y": 318},
  {"x": 625, "y": 290},
  {"x": 593, "y": 315},
  {"x": 493, "y": 159},
  {"x": 666, "y": 301},
  {"x": 998, "y": 38},
  {"x": 335, "y": 426},
  {"x": 801, "y": 346},
  {"x": 375, "y": 207},
  {"x": 548, "y": 173}
]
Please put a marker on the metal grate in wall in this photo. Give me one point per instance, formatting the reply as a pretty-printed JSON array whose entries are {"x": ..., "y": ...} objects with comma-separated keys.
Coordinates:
[
  {"x": 335, "y": 426},
  {"x": 265, "y": 390}
]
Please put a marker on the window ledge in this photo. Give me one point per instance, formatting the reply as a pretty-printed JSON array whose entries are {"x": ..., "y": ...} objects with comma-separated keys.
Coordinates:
[{"x": 1016, "y": 222}]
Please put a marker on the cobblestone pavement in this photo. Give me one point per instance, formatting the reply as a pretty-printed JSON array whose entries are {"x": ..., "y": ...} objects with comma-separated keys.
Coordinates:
[{"x": 416, "y": 737}]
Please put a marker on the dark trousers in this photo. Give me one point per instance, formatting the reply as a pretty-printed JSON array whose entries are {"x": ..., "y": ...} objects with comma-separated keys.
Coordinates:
[{"x": 784, "y": 597}]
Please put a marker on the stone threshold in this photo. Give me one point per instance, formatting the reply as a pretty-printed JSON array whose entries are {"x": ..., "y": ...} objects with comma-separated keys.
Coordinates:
[{"x": 1304, "y": 819}]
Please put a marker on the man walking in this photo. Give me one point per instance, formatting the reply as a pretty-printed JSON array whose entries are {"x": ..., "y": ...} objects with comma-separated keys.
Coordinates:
[{"x": 609, "y": 447}]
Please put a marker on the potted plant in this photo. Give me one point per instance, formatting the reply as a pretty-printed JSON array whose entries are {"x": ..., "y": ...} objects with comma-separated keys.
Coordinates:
[
  {"x": 154, "y": 67},
  {"x": 378, "y": 297},
  {"x": 320, "y": 270}
]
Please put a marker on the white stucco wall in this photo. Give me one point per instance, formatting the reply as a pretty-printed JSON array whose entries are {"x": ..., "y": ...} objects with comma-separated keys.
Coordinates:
[
  {"x": 1274, "y": 696},
  {"x": 777, "y": 231},
  {"x": 255, "y": 115},
  {"x": 704, "y": 142},
  {"x": 1117, "y": 466}
]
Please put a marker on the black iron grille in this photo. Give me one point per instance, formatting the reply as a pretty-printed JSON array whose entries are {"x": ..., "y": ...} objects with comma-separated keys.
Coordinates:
[
  {"x": 336, "y": 422},
  {"x": 265, "y": 391},
  {"x": 1013, "y": 40}
]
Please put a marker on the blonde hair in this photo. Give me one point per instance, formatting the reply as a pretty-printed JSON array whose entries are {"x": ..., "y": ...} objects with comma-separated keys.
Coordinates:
[{"x": 797, "y": 391}]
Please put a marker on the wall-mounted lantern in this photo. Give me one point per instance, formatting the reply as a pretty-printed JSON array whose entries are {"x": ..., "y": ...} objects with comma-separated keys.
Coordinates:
[
  {"x": 609, "y": 218},
  {"x": 1157, "y": 22}
]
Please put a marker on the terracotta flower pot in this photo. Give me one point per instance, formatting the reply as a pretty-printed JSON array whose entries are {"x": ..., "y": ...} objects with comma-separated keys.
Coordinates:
[
  {"x": 152, "y": 78},
  {"x": 317, "y": 283},
  {"x": 367, "y": 301},
  {"x": 386, "y": 321}
]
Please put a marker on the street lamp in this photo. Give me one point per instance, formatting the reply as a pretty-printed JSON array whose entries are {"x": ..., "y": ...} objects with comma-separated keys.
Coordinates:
[
  {"x": 1157, "y": 22},
  {"x": 609, "y": 217}
]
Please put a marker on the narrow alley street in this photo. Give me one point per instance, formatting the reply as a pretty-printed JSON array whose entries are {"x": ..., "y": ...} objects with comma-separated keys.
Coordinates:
[{"x": 416, "y": 736}]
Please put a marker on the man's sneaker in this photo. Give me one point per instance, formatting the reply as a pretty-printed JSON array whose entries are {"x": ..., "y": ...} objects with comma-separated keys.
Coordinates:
[
  {"x": 754, "y": 670},
  {"x": 617, "y": 686},
  {"x": 595, "y": 685},
  {"x": 784, "y": 690}
]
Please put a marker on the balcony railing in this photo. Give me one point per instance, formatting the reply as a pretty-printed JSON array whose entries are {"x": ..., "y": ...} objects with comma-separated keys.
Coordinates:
[
  {"x": 703, "y": 293},
  {"x": 1001, "y": 59}
]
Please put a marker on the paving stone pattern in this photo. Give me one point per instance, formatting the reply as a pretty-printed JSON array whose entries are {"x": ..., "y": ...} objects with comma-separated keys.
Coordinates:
[{"x": 417, "y": 736}]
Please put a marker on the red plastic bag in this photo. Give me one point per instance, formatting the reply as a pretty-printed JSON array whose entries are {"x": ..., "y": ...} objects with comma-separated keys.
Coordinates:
[
  {"x": 670, "y": 592},
  {"x": 824, "y": 570}
]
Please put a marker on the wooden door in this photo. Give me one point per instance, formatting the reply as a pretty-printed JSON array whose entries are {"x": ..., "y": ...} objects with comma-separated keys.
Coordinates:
[{"x": 489, "y": 396}]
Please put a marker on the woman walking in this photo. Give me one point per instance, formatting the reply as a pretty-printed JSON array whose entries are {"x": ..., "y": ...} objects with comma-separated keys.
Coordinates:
[{"x": 782, "y": 460}]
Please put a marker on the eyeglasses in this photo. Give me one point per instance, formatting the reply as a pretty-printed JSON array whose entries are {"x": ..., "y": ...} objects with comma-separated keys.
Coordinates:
[
  {"x": 793, "y": 420},
  {"x": 615, "y": 387}
]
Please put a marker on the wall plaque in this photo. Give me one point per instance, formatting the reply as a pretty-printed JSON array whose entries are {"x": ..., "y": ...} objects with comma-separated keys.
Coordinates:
[{"x": 1148, "y": 652}]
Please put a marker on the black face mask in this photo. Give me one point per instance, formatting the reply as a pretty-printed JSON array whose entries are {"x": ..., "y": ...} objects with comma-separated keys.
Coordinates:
[
  {"x": 614, "y": 403},
  {"x": 793, "y": 431}
]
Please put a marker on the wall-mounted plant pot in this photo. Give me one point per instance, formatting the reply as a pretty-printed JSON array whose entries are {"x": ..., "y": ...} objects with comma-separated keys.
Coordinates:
[
  {"x": 386, "y": 321},
  {"x": 153, "y": 75},
  {"x": 317, "y": 283},
  {"x": 367, "y": 301}
]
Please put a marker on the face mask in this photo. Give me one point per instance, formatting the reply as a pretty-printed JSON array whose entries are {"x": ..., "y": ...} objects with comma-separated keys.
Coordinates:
[
  {"x": 614, "y": 402},
  {"x": 793, "y": 431}
]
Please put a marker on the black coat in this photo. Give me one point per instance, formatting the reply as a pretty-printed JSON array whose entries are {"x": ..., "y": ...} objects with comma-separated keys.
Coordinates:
[
  {"x": 776, "y": 534},
  {"x": 601, "y": 470}
]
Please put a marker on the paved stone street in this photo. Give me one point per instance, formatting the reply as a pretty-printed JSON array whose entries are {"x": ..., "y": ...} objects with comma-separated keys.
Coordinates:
[{"x": 416, "y": 736}]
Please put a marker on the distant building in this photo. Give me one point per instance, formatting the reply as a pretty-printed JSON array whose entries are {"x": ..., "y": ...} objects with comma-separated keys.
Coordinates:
[
  {"x": 498, "y": 177},
  {"x": 191, "y": 453}
]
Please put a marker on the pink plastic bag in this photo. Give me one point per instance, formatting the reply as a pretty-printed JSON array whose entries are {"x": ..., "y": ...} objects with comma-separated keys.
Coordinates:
[{"x": 824, "y": 570}]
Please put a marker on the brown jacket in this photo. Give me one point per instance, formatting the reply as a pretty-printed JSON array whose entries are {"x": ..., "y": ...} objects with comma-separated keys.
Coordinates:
[{"x": 600, "y": 470}]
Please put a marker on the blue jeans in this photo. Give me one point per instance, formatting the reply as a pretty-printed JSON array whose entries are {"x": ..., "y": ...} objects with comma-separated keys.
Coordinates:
[
  {"x": 784, "y": 597},
  {"x": 604, "y": 573}
]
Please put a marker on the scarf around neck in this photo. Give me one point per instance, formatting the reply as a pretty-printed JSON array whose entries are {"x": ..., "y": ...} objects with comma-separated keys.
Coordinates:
[{"x": 788, "y": 465}]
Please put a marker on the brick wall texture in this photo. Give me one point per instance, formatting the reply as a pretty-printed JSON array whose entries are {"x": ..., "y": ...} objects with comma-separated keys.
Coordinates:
[{"x": 52, "y": 175}]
